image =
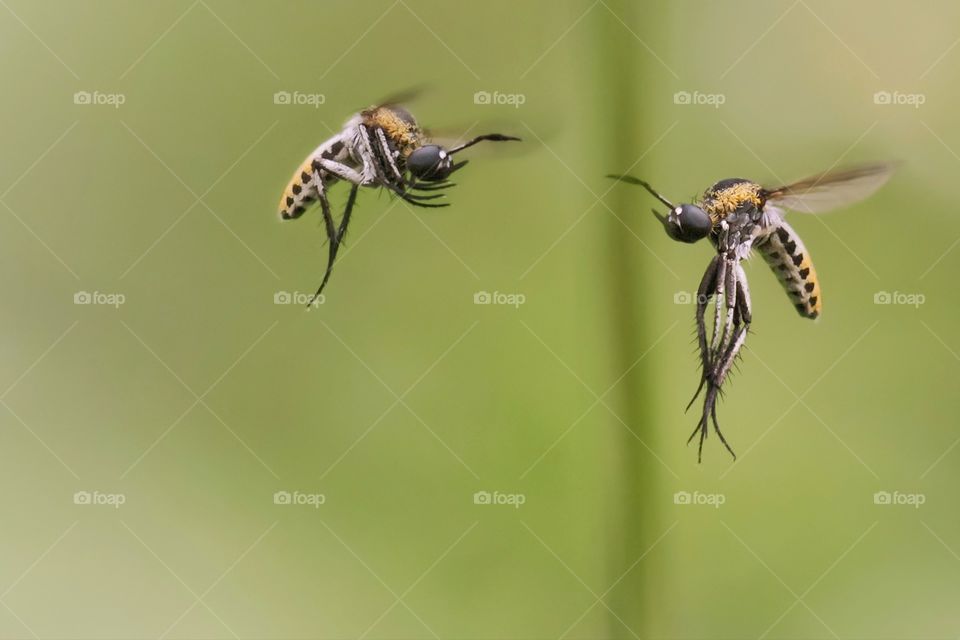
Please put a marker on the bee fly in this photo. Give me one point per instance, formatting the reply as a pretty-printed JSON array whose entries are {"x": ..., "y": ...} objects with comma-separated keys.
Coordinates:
[
  {"x": 739, "y": 215},
  {"x": 380, "y": 147}
]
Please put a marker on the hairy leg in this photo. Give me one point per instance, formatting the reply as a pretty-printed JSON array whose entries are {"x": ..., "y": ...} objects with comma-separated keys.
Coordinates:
[
  {"x": 735, "y": 298},
  {"x": 387, "y": 155},
  {"x": 340, "y": 170},
  {"x": 730, "y": 301},
  {"x": 334, "y": 234},
  {"x": 706, "y": 289},
  {"x": 719, "y": 289}
]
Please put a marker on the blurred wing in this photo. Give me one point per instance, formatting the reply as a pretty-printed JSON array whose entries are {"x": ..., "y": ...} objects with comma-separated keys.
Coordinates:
[
  {"x": 402, "y": 97},
  {"x": 832, "y": 189}
]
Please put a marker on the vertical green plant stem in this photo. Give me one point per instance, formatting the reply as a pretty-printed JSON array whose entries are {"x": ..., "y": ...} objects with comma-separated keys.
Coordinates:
[{"x": 619, "y": 77}]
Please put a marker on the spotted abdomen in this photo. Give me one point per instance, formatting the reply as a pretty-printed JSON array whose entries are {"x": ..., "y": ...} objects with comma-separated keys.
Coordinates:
[
  {"x": 300, "y": 192},
  {"x": 784, "y": 252}
]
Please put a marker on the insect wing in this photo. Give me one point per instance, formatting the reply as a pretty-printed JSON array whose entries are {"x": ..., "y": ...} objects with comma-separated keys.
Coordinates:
[{"x": 832, "y": 189}]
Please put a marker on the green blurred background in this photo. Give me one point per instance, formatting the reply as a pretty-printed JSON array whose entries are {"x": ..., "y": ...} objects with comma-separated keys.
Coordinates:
[{"x": 199, "y": 398}]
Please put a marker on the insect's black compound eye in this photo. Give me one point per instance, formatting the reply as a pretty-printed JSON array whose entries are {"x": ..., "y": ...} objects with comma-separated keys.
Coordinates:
[
  {"x": 430, "y": 163},
  {"x": 688, "y": 223}
]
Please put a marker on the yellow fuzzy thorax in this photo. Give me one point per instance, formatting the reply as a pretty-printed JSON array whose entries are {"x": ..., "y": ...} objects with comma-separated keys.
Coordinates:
[
  {"x": 719, "y": 204},
  {"x": 405, "y": 135}
]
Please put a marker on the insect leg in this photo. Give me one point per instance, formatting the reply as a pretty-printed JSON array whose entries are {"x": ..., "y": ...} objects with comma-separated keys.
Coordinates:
[
  {"x": 716, "y": 427},
  {"x": 345, "y": 220},
  {"x": 399, "y": 186},
  {"x": 371, "y": 171},
  {"x": 731, "y": 299},
  {"x": 381, "y": 153},
  {"x": 706, "y": 289},
  {"x": 729, "y": 303},
  {"x": 723, "y": 368},
  {"x": 431, "y": 186},
  {"x": 709, "y": 408},
  {"x": 376, "y": 173},
  {"x": 415, "y": 200},
  {"x": 388, "y": 155},
  {"x": 334, "y": 235},
  {"x": 340, "y": 170},
  {"x": 743, "y": 296},
  {"x": 394, "y": 183},
  {"x": 730, "y": 294},
  {"x": 720, "y": 285},
  {"x": 380, "y": 161},
  {"x": 742, "y": 319},
  {"x": 355, "y": 177},
  {"x": 714, "y": 384},
  {"x": 740, "y": 335}
]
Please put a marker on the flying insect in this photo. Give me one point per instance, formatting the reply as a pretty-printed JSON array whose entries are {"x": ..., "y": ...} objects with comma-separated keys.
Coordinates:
[
  {"x": 380, "y": 147},
  {"x": 739, "y": 216}
]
